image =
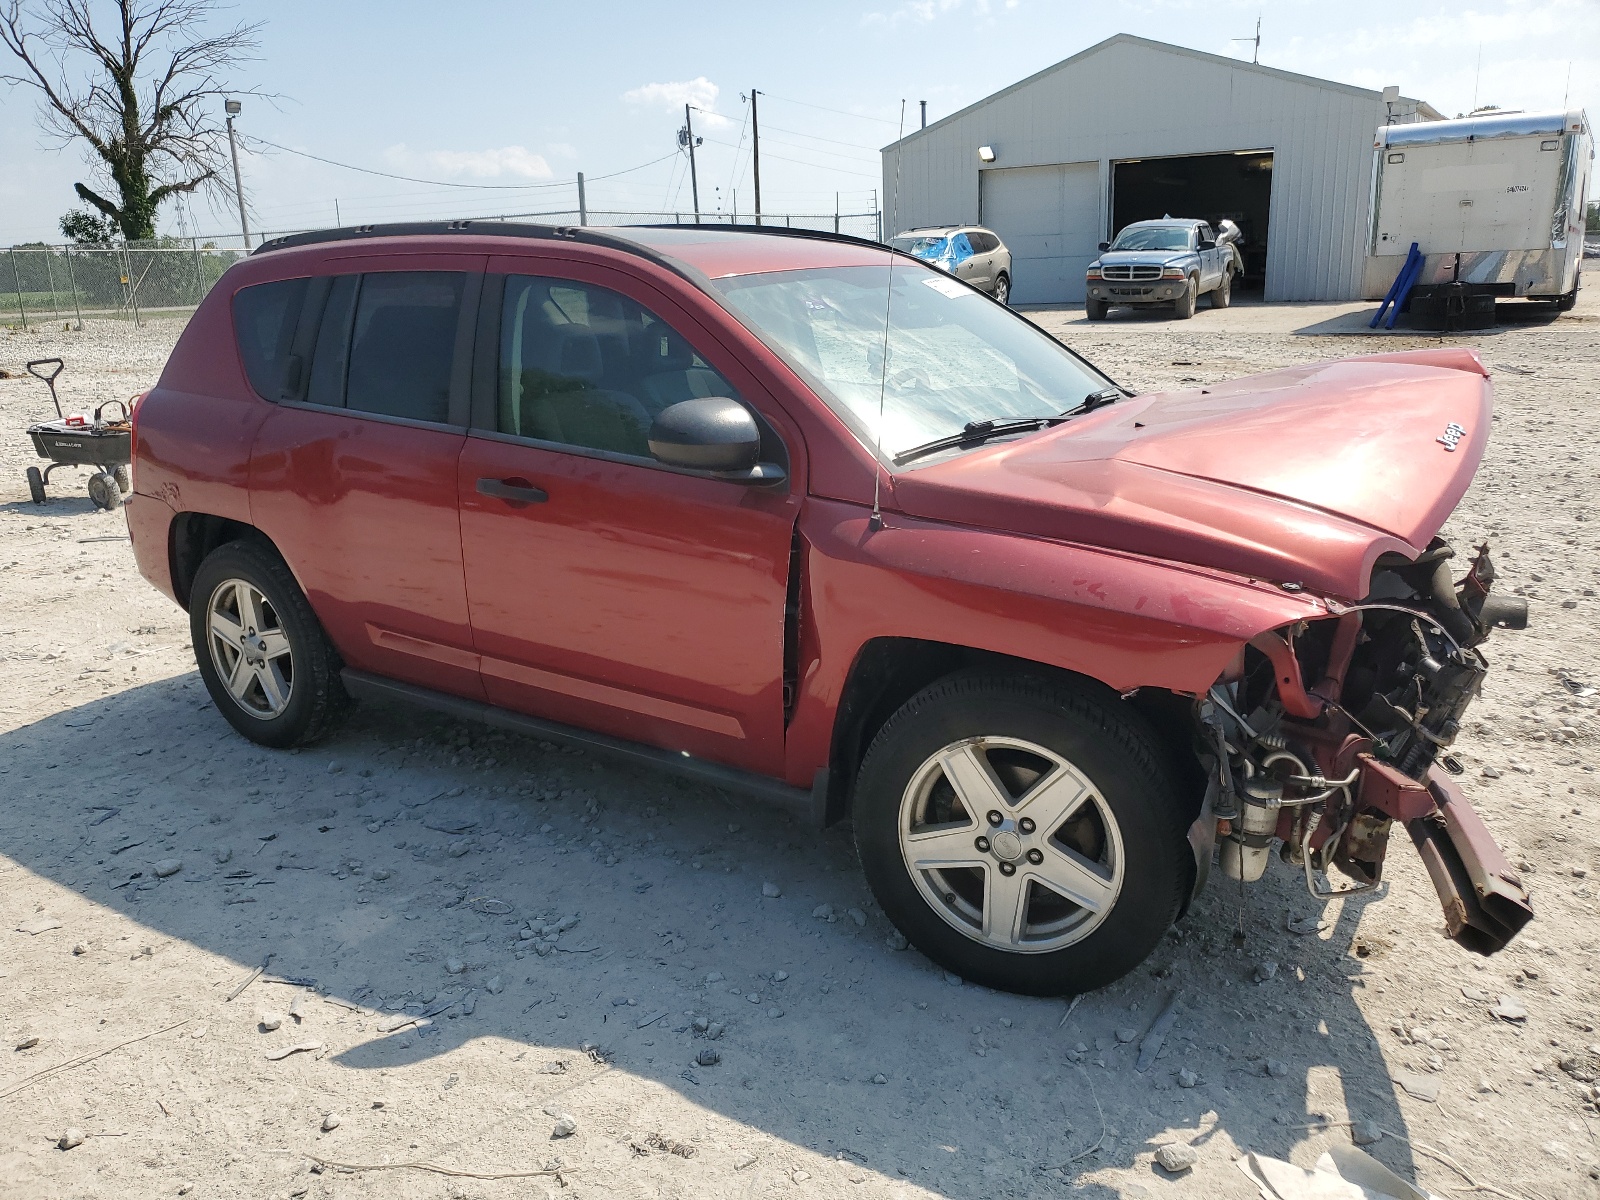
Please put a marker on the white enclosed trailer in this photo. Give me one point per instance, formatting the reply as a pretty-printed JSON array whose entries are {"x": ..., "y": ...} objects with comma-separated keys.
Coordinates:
[{"x": 1494, "y": 201}]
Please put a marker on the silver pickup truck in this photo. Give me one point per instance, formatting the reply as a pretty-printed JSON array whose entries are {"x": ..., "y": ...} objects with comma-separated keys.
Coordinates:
[{"x": 1170, "y": 261}]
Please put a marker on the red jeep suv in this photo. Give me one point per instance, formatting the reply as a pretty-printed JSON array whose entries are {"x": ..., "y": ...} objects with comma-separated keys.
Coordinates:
[{"x": 802, "y": 516}]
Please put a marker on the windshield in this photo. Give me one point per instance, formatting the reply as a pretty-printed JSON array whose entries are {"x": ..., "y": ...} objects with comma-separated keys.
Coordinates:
[
  {"x": 920, "y": 246},
  {"x": 953, "y": 356},
  {"x": 1153, "y": 237}
]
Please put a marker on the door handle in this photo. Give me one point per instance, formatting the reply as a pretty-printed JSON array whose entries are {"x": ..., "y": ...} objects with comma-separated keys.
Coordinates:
[{"x": 518, "y": 491}]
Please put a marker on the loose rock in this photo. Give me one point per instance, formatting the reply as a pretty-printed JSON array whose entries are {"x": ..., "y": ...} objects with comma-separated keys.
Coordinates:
[
  {"x": 859, "y": 917},
  {"x": 1176, "y": 1157},
  {"x": 330, "y": 1123},
  {"x": 454, "y": 966},
  {"x": 1126, "y": 1035},
  {"x": 168, "y": 866},
  {"x": 771, "y": 891},
  {"x": 1265, "y": 971},
  {"x": 69, "y": 1139},
  {"x": 880, "y": 1078},
  {"x": 1364, "y": 1133},
  {"x": 896, "y": 940},
  {"x": 824, "y": 912},
  {"x": 27, "y": 1041},
  {"x": 297, "y": 1008},
  {"x": 1509, "y": 1008},
  {"x": 269, "y": 1020},
  {"x": 1187, "y": 1078},
  {"x": 1277, "y": 1068},
  {"x": 80, "y": 948},
  {"x": 564, "y": 1127}
]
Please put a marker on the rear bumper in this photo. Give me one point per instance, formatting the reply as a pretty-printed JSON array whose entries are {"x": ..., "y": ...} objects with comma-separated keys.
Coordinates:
[
  {"x": 1485, "y": 903},
  {"x": 150, "y": 530}
]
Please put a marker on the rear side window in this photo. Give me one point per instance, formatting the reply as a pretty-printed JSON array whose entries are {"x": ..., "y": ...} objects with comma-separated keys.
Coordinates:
[
  {"x": 402, "y": 344},
  {"x": 264, "y": 318},
  {"x": 332, "y": 354}
]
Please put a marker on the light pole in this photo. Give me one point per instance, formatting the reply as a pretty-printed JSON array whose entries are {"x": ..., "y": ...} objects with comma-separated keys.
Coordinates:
[{"x": 232, "y": 108}]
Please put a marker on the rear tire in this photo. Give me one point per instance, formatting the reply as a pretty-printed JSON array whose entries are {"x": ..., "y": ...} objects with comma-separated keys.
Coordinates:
[
  {"x": 1183, "y": 306},
  {"x": 124, "y": 484},
  {"x": 35, "y": 485},
  {"x": 949, "y": 782},
  {"x": 1568, "y": 302},
  {"x": 1002, "y": 290},
  {"x": 1095, "y": 310},
  {"x": 1222, "y": 294},
  {"x": 253, "y": 628}
]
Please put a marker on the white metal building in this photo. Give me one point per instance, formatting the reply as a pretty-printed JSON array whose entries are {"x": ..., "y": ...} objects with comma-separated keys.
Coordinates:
[{"x": 1131, "y": 129}]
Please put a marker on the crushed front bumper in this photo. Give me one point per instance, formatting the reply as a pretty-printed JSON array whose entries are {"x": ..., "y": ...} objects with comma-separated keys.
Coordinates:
[{"x": 1485, "y": 902}]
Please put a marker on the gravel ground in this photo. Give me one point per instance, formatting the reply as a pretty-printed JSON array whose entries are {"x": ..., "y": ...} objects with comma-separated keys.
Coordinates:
[{"x": 841, "y": 1066}]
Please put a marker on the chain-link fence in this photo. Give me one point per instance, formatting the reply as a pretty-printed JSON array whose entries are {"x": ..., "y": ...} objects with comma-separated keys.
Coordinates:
[{"x": 127, "y": 282}]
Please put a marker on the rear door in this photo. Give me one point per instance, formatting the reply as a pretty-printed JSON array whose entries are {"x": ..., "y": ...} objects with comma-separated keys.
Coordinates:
[
  {"x": 980, "y": 272},
  {"x": 353, "y": 476},
  {"x": 607, "y": 591}
]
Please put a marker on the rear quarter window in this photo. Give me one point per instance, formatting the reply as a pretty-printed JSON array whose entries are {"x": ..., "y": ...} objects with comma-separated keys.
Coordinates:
[{"x": 264, "y": 319}]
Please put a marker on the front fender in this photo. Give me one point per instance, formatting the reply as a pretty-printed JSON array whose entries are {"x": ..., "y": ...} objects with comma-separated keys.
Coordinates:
[{"x": 1125, "y": 620}]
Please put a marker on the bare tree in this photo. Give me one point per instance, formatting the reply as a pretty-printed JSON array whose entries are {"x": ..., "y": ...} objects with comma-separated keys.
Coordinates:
[{"x": 143, "y": 96}]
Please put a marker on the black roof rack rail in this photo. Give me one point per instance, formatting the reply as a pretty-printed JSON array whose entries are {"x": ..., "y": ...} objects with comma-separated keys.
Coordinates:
[{"x": 572, "y": 233}]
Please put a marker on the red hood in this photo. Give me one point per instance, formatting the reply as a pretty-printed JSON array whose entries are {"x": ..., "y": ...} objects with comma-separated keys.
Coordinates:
[{"x": 1303, "y": 475}]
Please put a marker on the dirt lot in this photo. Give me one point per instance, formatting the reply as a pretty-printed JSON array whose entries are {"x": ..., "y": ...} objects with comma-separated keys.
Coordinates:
[{"x": 393, "y": 870}]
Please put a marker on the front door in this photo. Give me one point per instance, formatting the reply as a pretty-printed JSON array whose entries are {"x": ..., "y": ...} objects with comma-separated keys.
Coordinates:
[{"x": 605, "y": 590}]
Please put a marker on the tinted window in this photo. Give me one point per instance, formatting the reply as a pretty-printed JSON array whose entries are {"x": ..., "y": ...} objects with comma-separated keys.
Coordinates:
[
  {"x": 587, "y": 367},
  {"x": 264, "y": 318},
  {"x": 333, "y": 343},
  {"x": 402, "y": 344},
  {"x": 982, "y": 243}
]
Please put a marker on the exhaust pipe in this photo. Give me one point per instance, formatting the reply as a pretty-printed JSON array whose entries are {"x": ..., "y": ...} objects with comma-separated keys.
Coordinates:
[{"x": 1485, "y": 903}]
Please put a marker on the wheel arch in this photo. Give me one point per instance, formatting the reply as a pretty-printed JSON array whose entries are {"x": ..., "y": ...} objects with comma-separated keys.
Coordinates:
[
  {"x": 888, "y": 671},
  {"x": 192, "y": 536}
]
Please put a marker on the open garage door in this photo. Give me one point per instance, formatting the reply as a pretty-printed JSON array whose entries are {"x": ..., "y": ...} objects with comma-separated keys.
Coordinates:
[
  {"x": 1208, "y": 187},
  {"x": 1049, "y": 218}
]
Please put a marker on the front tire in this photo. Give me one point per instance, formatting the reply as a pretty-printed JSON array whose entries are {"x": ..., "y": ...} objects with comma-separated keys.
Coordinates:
[
  {"x": 262, "y": 653},
  {"x": 1095, "y": 310},
  {"x": 1183, "y": 306},
  {"x": 1023, "y": 832}
]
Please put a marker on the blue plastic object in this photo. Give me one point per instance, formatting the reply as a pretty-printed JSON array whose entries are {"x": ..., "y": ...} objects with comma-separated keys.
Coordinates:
[{"x": 1399, "y": 289}]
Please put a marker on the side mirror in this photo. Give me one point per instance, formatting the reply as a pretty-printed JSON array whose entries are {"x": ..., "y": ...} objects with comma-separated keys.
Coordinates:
[
  {"x": 715, "y": 434},
  {"x": 1104, "y": 246}
]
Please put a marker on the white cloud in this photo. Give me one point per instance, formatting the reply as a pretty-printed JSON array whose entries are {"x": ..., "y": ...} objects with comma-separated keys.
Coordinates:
[
  {"x": 923, "y": 12},
  {"x": 699, "y": 92},
  {"x": 503, "y": 162}
]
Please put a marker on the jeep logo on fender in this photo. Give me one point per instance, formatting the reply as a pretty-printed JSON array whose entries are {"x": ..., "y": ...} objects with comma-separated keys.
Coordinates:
[{"x": 1453, "y": 433}]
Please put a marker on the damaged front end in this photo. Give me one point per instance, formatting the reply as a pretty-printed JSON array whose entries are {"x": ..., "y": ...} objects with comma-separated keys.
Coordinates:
[{"x": 1323, "y": 734}]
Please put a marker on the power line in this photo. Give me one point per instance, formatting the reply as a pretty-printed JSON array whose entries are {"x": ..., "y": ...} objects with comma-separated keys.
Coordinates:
[
  {"x": 489, "y": 187},
  {"x": 825, "y": 108},
  {"x": 802, "y": 162},
  {"x": 816, "y": 138}
]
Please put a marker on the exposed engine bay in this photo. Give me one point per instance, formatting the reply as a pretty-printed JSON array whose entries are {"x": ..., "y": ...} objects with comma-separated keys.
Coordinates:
[{"x": 1322, "y": 735}]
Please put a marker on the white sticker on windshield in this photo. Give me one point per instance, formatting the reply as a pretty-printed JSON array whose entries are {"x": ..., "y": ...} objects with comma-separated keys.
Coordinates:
[{"x": 946, "y": 286}]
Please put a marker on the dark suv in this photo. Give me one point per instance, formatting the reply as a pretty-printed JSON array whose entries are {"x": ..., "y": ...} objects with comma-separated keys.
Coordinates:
[{"x": 804, "y": 517}]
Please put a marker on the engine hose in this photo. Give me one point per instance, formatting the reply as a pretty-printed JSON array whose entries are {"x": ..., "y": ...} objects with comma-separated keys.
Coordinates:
[{"x": 1449, "y": 613}]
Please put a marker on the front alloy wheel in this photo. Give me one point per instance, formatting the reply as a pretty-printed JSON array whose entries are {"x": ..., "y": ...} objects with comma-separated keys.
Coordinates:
[
  {"x": 1011, "y": 844},
  {"x": 1026, "y": 832}
]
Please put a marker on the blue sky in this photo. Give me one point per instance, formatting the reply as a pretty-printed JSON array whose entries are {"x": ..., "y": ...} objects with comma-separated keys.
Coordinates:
[{"x": 514, "y": 95}]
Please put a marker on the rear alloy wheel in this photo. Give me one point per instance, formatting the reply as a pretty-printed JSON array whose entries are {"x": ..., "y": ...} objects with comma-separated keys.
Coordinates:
[
  {"x": 1222, "y": 294},
  {"x": 1183, "y": 306},
  {"x": 261, "y": 651},
  {"x": 1002, "y": 290},
  {"x": 1022, "y": 833}
]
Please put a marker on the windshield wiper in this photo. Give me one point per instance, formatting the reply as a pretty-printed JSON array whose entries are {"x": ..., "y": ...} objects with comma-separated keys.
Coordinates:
[
  {"x": 975, "y": 433},
  {"x": 1095, "y": 400}
]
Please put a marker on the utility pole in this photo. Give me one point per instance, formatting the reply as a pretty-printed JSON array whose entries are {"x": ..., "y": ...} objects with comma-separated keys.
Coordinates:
[
  {"x": 694, "y": 178},
  {"x": 583, "y": 202},
  {"x": 755, "y": 150},
  {"x": 232, "y": 107}
]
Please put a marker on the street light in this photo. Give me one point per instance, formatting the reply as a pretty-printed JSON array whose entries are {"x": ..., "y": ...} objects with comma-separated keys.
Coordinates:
[{"x": 233, "y": 108}]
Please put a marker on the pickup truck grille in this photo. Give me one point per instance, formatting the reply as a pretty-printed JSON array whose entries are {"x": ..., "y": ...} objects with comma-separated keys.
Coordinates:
[{"x": 1130, "y": 271}]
